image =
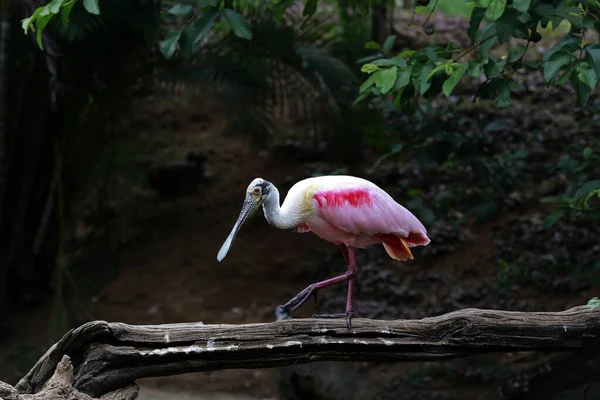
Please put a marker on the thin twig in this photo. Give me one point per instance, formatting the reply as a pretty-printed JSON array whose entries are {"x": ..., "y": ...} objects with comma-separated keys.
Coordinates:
[{"x": 475, "y": 46}]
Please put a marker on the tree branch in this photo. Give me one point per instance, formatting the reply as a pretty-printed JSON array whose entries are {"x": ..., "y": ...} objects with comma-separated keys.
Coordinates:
[
  {"x": 109, "y": 356},
  {"x": 60, "y": 386}
]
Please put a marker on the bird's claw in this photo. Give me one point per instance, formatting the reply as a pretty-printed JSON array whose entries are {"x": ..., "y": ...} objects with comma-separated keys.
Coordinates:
[
  {"x": 281, "y": 313},
  {"x": 348, "y": 315}
]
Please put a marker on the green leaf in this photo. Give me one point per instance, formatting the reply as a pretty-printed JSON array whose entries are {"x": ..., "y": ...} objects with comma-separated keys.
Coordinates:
[
  {"x": 497, "y": 126},
  {"x": 452, "y": 81},
  {"x": 582, "y": 90},
  {"x": 439, "y": 68},
  {"x": 424, "y": 82},
  {"x": 368, "y": 59},
  {"x": 587, "y": 75},
  {"x": 41, "y": 24},
  {"x": 424, "y": 54},
  {"x": 65, "y": 13},
  {"x": 488, "y": 32},
  {"x": 378, "y": 79},
  {"x": 574, "y": 15},
  {"x": 169, "y": 44},
  {"x": 372, "y": 45},
  {"x": 407, "y": 53},
  {"x": 515, "y": 54},
  {"x": 237, "y": 23},
  {"x": 507, "y": 24},
  {"x": 522, "y": 5},
  {"x": 207, "y": 3},
  {"x": 593, "y": 56},
  {"x": 552, "y": 65},
  {"x": 449, "y": 69},
  {"x": 368, "y": 83},
  {"x": 181, "y": 10},
  {"x": 476, "y": 17},
  {"x": 386, "y": 62},
  {"x": 566, "y": 75},
  {"x": 548, "y": 14},
  {"x": 403, "y": 79},
  {"x": 493, "y": 67},
  {"x": 194, "y": 33},
  {"x": 588, "y": 153},
  {"x": 405, "y": 100},
  {"x": 360, "y": 98},
  {"x": 54, "y": 6},
  {"x": 369, "y": 68},
  {"x": 568, "y": 43},
  {"x": 504, "y": 90},
  {"x": 474, "y": 68},
  {"x": 495, "y": 9},
  {"x": 92, "y": 6},
  {"x": 310, "y": 8},
  {"x": 388, "y": 79},
  {"x": 552, "y": 219},
  {"x": 584, "y": 190},
  {"x": 45, "y": 10},
  {"x": 25, "y": 23},
  {"x": 388, "y": 44}
]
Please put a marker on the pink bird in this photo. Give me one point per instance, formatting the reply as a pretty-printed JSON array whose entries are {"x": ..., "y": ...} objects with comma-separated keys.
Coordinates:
[{"x": 348, "y": 211}]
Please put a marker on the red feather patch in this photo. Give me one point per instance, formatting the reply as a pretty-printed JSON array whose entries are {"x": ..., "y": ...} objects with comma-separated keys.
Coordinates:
[{"x": 337, "y": 198}]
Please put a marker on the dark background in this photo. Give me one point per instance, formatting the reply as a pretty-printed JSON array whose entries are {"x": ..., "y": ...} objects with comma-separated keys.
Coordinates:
[{"x": 122, "y": 174}]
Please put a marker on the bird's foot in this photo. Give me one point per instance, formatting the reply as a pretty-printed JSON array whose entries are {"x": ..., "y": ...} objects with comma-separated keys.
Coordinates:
[
  {"x": 282, "y": 313},
  {"x": 348, "y": 315}
]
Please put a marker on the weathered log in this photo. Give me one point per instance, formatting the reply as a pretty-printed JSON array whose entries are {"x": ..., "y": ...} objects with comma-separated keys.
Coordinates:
[
  {"x": 109, "y": 356},
  {"x": 60, "y": 386}
]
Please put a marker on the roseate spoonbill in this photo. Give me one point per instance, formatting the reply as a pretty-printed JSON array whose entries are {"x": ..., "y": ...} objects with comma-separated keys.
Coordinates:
[{"x": 348, "y": 211}]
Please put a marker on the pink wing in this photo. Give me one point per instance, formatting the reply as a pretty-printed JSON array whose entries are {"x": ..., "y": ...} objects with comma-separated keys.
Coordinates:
[{"x": 369, "y": 211}]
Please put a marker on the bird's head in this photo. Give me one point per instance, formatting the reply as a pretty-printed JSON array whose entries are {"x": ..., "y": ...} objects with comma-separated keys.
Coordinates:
[
  {"x": 256, "y": 194},
  {"x": 258, "y": 191}
]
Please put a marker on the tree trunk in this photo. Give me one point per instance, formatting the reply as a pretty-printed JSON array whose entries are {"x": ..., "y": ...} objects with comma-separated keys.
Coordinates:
[{"x": 379, "y": 26}]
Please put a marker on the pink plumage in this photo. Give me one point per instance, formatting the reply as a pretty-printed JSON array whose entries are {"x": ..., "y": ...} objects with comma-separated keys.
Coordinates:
[
  {"x": 348, "y": 211},
  {"x": 360, "y": 217}
]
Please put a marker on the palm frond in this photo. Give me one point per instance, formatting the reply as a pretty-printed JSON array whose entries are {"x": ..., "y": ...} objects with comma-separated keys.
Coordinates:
[{"x": 285, "y": 76}]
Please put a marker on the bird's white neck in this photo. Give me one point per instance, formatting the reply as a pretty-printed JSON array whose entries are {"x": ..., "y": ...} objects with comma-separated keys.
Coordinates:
[{"x": 274, "y": 213}]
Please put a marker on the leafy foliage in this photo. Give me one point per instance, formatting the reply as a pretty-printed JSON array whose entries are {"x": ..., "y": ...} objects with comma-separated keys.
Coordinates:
[
  {"x": 288, "y": 70},
  {"x": 433, "y": 70}
]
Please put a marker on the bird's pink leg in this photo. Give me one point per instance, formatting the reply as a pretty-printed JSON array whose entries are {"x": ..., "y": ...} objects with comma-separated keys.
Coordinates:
[
  {"x": 352, "y": 271},
  {"x": 349, "y": 275},
  {"x": 344, "y": 251}
]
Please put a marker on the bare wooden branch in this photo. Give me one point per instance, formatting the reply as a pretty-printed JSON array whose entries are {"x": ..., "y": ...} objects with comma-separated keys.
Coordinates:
[{"x": 109, "y": 356}]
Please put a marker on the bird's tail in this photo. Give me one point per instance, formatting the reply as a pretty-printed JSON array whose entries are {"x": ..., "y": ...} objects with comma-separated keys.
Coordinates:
[{"x": 397, "y": 247}]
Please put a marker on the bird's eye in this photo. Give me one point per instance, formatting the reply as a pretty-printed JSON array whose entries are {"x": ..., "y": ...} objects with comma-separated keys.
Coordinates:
[{"x": 256, "y": 190}]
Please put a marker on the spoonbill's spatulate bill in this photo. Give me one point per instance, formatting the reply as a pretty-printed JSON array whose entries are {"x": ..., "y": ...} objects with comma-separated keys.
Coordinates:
[{"x": 348, "y": 211}]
